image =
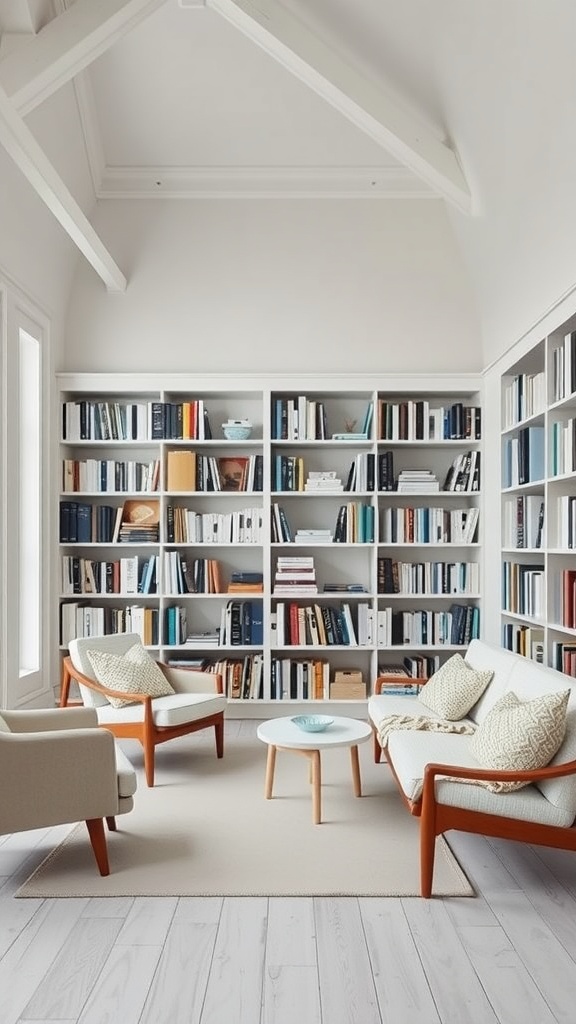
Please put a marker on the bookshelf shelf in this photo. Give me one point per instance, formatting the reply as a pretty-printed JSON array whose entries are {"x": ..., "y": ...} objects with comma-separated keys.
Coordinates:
[{"x": 202, "y": 483}]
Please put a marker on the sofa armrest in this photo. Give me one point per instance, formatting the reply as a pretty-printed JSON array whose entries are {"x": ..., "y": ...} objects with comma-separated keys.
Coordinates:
[
  {"x": 551, "y": 771},
  {"x": 391, "y": 679},
  {"x": 50, "y": 719}
]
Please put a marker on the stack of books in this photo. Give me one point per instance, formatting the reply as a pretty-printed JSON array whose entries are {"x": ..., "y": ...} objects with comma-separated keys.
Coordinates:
[
  {"x": 313, "y": 537},
  {"x": 417, "y": 481},
  {"x": 295, "y": 575},
  {"x": 246, "y": 582},
  {"x": 324, "y": 481}
]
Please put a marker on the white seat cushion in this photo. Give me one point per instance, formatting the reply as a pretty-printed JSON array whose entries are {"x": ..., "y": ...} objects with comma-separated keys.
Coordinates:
[
  {"x": 176, "y": 709},
  {"x": 127, "y": 781},
  {"x": 410, "y": 752}
]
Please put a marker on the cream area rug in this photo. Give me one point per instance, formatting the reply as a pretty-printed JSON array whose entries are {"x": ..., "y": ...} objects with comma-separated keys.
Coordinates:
[{"x": 205, "y": 829}]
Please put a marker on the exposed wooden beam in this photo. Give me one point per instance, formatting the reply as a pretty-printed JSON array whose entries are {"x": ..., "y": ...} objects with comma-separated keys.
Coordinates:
[
  {"x": 371, "y": 109},
  {"x": 30, "y": 158},
  {"x": 66, "y": 45}
]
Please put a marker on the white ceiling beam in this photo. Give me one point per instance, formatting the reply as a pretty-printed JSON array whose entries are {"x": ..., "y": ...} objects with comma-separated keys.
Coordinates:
[
  {"x": 370, "y": 108},
  {"x": 66, "y": 45},
  {"x": 31, "y": 160}
]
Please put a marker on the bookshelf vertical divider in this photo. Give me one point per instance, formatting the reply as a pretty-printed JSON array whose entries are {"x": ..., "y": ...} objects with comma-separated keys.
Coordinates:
[{"x": 339, "y": 538}]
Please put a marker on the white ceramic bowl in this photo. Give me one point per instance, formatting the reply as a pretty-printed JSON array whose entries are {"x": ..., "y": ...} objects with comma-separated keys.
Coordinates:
[{"x": 312, "y": 723}]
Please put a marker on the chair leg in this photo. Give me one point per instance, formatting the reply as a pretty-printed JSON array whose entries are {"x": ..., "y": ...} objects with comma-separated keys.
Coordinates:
[
  {"x": 97, "y": 835},
  {"x": 377, "y": 749},
  {"x": 219, "y": 732},
  {"x": 111, "y": 822},
  {"x": 149, "y": 761}
]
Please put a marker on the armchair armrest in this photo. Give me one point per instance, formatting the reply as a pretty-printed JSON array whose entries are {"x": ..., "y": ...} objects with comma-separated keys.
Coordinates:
[
  {"x": 186, "y": 680},
  {"x": 79, "y": 677},
  {"x": 57, "y": 776},
  {"x": 49, "y": 719}
]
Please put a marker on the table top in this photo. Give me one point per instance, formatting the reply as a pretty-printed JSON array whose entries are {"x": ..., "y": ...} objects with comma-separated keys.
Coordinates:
[{"x": 344, "y": 732}]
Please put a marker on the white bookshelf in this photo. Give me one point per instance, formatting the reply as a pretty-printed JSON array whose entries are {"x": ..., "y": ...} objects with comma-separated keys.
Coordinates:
[
  {"x": 426, "y": 564},
  {"x": 540, "y": 550}
]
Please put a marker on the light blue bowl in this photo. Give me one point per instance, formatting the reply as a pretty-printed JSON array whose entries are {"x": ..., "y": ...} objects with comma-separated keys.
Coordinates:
[
  {"x": 235, "y": 432},
  {"x": 312, "y": 723}
]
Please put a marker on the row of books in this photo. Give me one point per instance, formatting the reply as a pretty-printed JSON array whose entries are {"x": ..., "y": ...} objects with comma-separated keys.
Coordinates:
[
  {"x": 523, "y": 521},
  {"x": 568, "y": 598},
  {"x": 242, "y": 678},
  {"x": 127, "y": 576},
  {"x": 524, "y": 396},
  {"x": 396, "y": 577},
  {"x": 563, "y": 447},
  {"x": 136, "y": 520},
  {"x": 525, "y": 640},
  {"x": 564, "y": 368},
  {"x": 189, "y": 471},
  {"x": 416, "y": 420},
  {"x": 567, "y": 521},
  {"x": 86, "y": 420},
  {"x": 299, "y": 418},
  {"x": 185, "y": 526},
  {"x": 523, "y": 457},
  {"x": 524, "y": 589},
  {"x": 79, "y": 620},
  {"x": 355, "y": 524},
  {"x": 298, "y": 625},
  {"x": 109, "y": 475},
  {"x": 422, "y": 525},
  {"x": 422, "y": 626},
  {"x": 464, "y": 473},
  {"x": 188, "y": 421},
  {"x": 191, "y": 575}
]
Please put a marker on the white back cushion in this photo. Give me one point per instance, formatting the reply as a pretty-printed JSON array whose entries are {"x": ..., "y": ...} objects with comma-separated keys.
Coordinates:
[{"x": 115, "y": 643}]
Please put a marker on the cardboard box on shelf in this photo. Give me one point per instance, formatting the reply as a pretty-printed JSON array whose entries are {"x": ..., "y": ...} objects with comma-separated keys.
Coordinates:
[{"x": 348, "y": 685}]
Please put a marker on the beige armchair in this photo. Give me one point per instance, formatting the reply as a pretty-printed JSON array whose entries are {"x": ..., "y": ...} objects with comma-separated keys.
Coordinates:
[
  {"x": 197, "y": 703},
  {"x": 58, "y": 767}
]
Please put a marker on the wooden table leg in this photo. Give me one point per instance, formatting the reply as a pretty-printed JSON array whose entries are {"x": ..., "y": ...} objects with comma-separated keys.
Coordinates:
[
  {"x": 316, "y": 786},
  {"x": 270, "y": 765},
  {"x": 355, "y": 771}
]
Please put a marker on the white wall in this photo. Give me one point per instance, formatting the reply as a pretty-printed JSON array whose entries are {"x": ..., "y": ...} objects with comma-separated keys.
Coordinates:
[
  {"x": 507, "y": 80},
  {"x": 269, "y": 285}
]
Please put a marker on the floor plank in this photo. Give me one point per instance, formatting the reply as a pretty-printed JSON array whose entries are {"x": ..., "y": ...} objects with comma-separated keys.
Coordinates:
[
  {"x": 234, "y": 989},
  {"x": 347, "y": 989},
  {"x": 400, "y": 980}
]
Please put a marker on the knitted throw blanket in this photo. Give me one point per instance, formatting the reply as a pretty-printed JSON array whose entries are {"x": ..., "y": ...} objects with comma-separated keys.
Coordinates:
[{"x": 391, "y": 722}]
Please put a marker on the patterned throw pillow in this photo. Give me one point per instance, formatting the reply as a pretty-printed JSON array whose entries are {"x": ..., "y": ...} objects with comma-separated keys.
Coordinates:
[
  {"x": 133, "y": 672},
  {"x": 520, "y": 735},
  {"x": 454, "y": 688}
]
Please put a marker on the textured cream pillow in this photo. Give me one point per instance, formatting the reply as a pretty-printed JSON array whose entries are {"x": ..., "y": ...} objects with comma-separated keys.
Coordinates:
[
  {"x": 520, "y": 735},
  {"x": 454, "y": 688},
  {"x": 133, "y": 672}
]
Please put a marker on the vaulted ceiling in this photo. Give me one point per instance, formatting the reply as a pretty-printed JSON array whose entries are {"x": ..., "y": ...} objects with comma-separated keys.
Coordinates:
[{"x": 188, "y": 98}]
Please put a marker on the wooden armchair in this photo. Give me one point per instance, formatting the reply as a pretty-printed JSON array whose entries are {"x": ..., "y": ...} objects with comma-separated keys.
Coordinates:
[{"x": 198, "y": 702}]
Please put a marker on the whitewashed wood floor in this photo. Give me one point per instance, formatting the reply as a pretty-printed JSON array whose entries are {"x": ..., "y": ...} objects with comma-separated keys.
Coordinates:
[{"x": 507, "y": 956}]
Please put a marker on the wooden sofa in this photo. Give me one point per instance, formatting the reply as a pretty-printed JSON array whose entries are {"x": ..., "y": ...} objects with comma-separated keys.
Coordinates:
[{"x": 542, "y": 813}]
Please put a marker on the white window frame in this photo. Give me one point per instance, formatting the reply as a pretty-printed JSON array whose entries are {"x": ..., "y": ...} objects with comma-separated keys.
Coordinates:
[{"x": 18, "y": 314}]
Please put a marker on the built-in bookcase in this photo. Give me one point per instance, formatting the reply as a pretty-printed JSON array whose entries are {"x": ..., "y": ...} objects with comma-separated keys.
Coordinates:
[
  {"x": 538, "y": 446},
  {"x": 170, "y": 529}
]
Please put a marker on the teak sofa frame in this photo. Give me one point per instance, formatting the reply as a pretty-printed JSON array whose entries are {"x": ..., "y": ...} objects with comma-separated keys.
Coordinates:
[
  {"x": 437, "y": 818},
  {"x": 146, "y": 731}
]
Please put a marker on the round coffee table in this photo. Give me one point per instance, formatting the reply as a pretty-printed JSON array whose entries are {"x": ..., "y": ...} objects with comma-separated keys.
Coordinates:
[{"x": 283, "y": 734}]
